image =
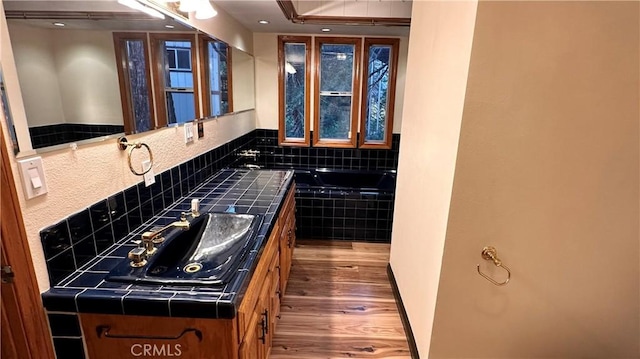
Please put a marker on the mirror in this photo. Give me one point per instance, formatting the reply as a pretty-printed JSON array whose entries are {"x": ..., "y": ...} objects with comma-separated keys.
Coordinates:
[
  {"x": 6, "y": 110},
  {"x": 74, "y": 90},
  {"x": 242, "y": 80}
]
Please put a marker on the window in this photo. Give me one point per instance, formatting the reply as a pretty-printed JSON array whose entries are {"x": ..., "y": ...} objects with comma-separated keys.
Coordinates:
[
  {"x": 216, "y": 59},
  {"x": 135, "y": 87},
  {"x": 294, "y": 82},
  {"x": 378, "y": 92},
  {"x": 353, "y": 96},
  {"x": 176, "y": 93},
  {"x": 336, "y": 91}
]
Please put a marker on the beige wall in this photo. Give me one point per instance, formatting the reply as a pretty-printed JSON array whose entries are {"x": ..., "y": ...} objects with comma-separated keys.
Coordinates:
[
  {"x": 226, "y": 28},
  {"x": 58, "y": 71},
  {"x": 266, "y": 59},
  {"x": 77, "y": 179},
  {"x": 33, "y": 52},
  {"x": 548, "y": 173},
  {"x": 438, "y": 62},
  {"x": 243, "y": 80}
]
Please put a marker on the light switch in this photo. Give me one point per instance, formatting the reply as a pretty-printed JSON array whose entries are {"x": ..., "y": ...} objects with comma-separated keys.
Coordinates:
[
  {"x": 33, "y": 180},
  {"x": 188, "y": 132}
]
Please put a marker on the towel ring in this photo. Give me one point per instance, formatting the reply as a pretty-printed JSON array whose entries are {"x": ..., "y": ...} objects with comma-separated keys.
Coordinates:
[
  {"x": 491, "y": 254},
  {"x": 123, "y": 144}
]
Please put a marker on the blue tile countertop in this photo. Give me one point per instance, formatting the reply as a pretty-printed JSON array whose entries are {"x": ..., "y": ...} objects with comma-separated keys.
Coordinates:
[{"x": 85, "y": 291}]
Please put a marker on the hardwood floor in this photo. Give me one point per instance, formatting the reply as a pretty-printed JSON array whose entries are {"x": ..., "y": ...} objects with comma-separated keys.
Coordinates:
[{"x": 339, "y": 304}]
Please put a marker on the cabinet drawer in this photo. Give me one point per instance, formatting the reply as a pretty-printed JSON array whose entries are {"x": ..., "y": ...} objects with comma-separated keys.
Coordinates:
[{"x": 120, "y": 336}]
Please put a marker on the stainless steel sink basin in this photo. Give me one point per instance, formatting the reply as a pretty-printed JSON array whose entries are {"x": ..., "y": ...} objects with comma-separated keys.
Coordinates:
[{"x": 207, "y": 254}]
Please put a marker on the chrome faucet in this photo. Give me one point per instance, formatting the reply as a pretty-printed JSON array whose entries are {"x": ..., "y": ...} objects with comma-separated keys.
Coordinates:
[{"x": 249, "y": 153}]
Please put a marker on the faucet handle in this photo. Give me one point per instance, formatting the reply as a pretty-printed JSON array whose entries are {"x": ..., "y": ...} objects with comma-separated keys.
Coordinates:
[{"x": 138, "y": 257}]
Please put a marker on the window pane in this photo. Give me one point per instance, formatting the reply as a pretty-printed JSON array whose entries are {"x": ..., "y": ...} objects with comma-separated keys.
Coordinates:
[
  {"x": 294, "y": 89},
  {"x": 184, "y": 59},
  {"x": 171, "y": 58},
  {"x": 336, "y": 68},
  {"x": 377, "y": 92},
  {"x": 335, "y": 117},
  {"x": 218, "y": 77},
  {"x": 180, "y": 107},
  {"x": 136, "y": 67},
  {"x": 178, "y": 82}
]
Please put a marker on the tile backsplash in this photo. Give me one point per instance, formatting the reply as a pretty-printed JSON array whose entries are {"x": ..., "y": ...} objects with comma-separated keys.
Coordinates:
[
  {"x": 273, "y": 156},
  {"x": 51, "y": 135},
  {"x": 72, "y": 242}
]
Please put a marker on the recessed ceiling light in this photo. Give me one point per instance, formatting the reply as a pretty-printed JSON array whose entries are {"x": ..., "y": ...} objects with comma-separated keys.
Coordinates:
[
  {"x": 326, "y": 29},
  {"x": 169, "y": 26},
  {"x": 263, "y": 22},
  {"x": 61, "y": 24}
]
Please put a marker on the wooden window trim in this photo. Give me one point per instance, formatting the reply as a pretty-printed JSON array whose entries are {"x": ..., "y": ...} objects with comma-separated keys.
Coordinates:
[
  {"x": 119, "y": 39},
  {"x": 204, "y": 75},
  {"x": 158, "y": 71},
  {"x": 282, "y": 140},
  {"x": 355, "y": 104},
  {"x": 395, "y": 46}
]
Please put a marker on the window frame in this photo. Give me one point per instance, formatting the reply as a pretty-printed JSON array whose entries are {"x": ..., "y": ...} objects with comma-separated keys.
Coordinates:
[
  {"x": 391, "y": 92},
  {"x": 203, "y": 41},
  {"x": 119, "y": 39},
  {"x": 282, "y": 140},
  {"x": 355, "y": 91},
  {"x": 159, "y": 86}
]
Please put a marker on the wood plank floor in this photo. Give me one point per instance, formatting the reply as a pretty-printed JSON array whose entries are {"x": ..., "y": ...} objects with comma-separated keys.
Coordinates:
[{"x": 339, "y": 304}]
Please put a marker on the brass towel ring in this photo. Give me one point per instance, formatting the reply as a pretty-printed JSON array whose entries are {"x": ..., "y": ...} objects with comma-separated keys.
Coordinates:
[
  {"x": 491, "y": 254},
  {"x": 123, "y": 144}
]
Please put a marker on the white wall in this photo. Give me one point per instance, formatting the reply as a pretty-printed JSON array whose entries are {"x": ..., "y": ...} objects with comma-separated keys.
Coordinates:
[
  {"x": 34, "y": 57},
  {"x": 266, "y": 59},
  {"x": 226, "y": 28},
  {"x": 438, "y": 63},
  {"x": 77, "y": 179},
  {"x": 548, "y": 173},
  {"x": 67, "y": 76},
  {"x": 243, "y": 80},
  {"x": 88, "y": 76}
]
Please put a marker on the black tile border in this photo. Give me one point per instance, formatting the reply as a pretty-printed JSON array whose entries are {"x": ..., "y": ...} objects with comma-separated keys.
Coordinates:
[{"x": 413, "y": 348}]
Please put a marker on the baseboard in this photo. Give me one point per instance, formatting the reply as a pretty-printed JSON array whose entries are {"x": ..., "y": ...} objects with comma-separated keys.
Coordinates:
[{"x": 413, "y": 348}]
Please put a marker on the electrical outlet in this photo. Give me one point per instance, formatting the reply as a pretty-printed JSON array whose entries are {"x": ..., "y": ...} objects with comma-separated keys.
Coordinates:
[{"x": 149, "y": 177}]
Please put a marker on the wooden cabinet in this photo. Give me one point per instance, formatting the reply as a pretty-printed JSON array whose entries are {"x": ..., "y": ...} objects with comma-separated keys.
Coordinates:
[
  {"x": 287, "y": 238},
  {"x": 248, "y": 336},
  {"x": 129, "y": 336}
]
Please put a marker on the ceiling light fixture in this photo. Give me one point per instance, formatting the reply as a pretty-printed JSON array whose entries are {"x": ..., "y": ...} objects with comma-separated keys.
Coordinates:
[
  {"x": 326, "y": 29},
  {"x": 60, "y": 24},
  {"x": 263, "y": 22},
  {"x": 145, "y": 9},
  {"x": 169, "y": 26},
  {"x": 205, "y": 10}
]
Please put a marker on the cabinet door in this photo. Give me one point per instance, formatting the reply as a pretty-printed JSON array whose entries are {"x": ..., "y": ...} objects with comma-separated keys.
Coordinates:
[
  {"x": 285, "y": 258},
  {"x": 252, "y": 346},
  {"x": 275, "y": 295}
]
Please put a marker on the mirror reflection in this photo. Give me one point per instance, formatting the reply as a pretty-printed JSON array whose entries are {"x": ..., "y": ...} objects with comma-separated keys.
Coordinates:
[{"x": 120, "y": 73}]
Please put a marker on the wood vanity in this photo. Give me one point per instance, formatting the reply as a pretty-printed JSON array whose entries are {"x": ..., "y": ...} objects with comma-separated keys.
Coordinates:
[{"x": 247, "y": 336}]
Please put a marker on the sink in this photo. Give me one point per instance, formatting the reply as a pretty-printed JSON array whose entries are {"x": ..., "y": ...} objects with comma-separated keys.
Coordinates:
[{"x": 208, "y": 253}]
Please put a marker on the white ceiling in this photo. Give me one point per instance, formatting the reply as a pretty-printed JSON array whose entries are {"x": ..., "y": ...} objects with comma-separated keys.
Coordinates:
[{"x": 249, "y": 12}]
